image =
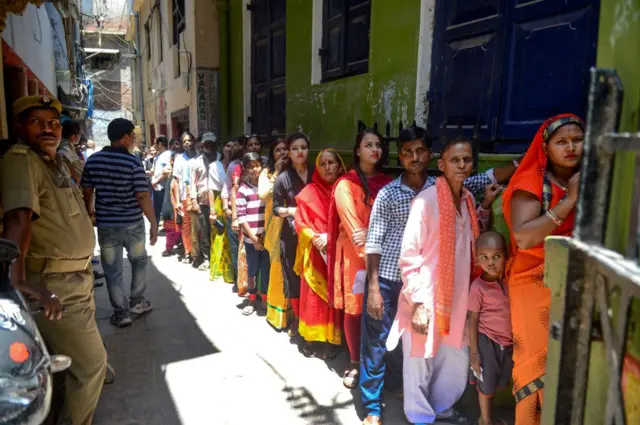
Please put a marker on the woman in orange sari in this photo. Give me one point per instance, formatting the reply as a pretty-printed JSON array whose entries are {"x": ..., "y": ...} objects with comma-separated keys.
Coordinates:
[
  {"x": 539, "y": 202},
  {"x": 318, "y": 322},
  {"x": 349, "y": 212}
]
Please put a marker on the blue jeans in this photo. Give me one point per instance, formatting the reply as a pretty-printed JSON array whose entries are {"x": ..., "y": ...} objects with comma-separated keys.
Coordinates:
[
  {"x": 112, "y": 240},
  {"x": 158, "y": 200},
  {"x": 258, "y": 265},
  {"x": 375, "y": 361}
]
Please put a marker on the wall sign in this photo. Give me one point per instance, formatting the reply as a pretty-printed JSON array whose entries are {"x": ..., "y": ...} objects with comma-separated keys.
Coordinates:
[{"x": 207, "y": 99}]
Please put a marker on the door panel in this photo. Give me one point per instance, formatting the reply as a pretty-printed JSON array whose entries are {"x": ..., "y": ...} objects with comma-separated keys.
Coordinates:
[
  {"x": 500, "y": 67},
  {"x": 466, "y": 69},
  {"x": 550, "y": 52},
  {"x": 268, "y": 66}
]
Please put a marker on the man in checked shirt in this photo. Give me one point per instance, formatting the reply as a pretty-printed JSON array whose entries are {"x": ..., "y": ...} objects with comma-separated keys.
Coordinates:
[{"x": 384, "y": 239}]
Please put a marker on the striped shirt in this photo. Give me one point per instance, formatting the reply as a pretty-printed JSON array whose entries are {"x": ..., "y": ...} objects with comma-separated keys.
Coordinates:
[
  {"x": 250, "y": 209},
  {"x": 116, "y": 176}
]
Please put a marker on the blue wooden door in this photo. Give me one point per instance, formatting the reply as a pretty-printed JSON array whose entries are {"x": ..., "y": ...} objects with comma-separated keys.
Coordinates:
[
  {"x": 501, "y": 67},
  {"x": 466, "y": 67}
]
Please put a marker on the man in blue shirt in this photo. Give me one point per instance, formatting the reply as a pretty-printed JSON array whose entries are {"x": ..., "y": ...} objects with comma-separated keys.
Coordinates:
[{"x": 118, "y": 180}]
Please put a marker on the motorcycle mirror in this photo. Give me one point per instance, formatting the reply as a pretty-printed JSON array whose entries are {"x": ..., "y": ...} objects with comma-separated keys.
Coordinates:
[{"x": 60, "y": 363}]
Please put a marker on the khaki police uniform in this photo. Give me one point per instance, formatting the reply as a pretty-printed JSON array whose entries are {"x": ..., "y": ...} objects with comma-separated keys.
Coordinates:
[
  {"x": 59, "y": 258},
  {"x": 70, "y": 157}
]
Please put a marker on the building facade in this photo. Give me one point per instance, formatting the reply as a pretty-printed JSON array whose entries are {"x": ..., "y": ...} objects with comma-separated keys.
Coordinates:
[
  {"x": 107, "y": 60},
  {"x": 40, "y": 55},
  {"x": 489, "y": 70},
  {"x": 179, "y": 54}
]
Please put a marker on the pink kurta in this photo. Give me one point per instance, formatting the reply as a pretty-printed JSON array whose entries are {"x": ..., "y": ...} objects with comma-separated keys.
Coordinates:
[{"x": 418, "y": 261}]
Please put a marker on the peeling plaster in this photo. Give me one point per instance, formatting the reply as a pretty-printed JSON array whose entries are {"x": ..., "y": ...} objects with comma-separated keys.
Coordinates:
[{"x": 624, "y": 16}]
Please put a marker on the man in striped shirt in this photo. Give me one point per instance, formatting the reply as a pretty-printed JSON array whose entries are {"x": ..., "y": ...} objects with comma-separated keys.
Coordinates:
[
  {"x": 250, "y": 209},
  {"x": 118, "y": 180}
]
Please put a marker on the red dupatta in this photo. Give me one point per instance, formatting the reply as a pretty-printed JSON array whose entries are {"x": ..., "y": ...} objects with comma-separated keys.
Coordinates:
[
  {"x": 530, "y": 174},
  {"x": 375, "y": 184},
  {"x": 312, "y": 218}
]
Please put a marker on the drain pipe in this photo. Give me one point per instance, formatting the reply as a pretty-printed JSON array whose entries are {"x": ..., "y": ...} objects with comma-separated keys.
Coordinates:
[{"x": 138, "y": 82}]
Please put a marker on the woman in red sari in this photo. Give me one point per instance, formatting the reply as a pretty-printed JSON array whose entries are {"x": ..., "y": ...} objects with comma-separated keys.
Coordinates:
[
  {"x": 539, "y": 202},
  {"x": 351, "y": 202},
  {"x": 318, "y": 323}
]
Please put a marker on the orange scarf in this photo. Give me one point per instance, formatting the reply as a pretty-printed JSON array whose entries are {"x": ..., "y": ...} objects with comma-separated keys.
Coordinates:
[{"x": 445, "y": 271}]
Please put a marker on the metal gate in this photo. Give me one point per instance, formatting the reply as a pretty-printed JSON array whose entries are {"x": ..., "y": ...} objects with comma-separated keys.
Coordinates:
[{"x": 592, "y": 287}]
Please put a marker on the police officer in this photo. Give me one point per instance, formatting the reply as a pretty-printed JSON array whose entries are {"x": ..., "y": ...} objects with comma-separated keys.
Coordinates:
[
  {"x": 71, "y": 135},
  {"x": 44, "y": 215}
]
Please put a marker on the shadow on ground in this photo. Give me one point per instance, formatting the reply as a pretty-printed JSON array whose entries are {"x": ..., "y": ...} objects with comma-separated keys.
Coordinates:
[{"x": 140, "y": 353}]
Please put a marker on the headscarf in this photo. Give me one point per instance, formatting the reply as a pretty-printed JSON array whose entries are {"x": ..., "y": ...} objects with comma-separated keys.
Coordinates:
[
  {"x": 531, "y": 173},
  {"x": 312, "y": 218},
  {"x": 376, "y": 183}
]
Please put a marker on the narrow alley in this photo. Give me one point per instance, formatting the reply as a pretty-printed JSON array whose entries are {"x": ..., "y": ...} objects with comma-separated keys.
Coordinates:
[{"x": 197, "y": 360}]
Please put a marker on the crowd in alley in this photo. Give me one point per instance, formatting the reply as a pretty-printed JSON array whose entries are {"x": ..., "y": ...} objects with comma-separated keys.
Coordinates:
[{"x": 404, "y": 273}]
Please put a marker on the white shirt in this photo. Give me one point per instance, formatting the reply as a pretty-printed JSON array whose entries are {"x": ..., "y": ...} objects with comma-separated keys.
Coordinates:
[
  {"x": 159, "y": 165},
  {"x": 181, "y": 173},
  {"x": 217, "y": 176}
]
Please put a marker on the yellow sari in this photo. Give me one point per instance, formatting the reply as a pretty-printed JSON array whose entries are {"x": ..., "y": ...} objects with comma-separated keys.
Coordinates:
[
  {"x": 220, "y": 254},
  {"x": 278, "y": 307}
]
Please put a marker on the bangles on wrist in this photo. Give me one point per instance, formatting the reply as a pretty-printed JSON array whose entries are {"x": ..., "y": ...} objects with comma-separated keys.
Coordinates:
[{"x": 554, "y": 218}]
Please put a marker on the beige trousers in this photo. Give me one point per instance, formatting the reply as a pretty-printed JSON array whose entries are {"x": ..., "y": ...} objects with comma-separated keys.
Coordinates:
[{"x": 75, "y": 335}]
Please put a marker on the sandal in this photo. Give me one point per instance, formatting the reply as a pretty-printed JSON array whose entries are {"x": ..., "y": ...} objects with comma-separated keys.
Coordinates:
[
  {"x": 372, "y": 420},
  {"x": 248, "y": 310},
  {"x": 307, "y": 351},
  {"x": 328, "y": 353},
  {"x": 456, "y": 418},
  {"x": 351, "y": 377},
  {"x": 293, "y": 330}
]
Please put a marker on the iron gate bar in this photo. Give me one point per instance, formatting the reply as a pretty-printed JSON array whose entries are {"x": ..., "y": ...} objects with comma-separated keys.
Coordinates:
[
  {"x": 605, "y": 99},
  {"x": 583, "y": 275}
]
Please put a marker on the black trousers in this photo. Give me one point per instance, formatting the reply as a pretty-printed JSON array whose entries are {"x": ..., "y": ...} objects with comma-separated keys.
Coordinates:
[{"x": 204, "y": 237}]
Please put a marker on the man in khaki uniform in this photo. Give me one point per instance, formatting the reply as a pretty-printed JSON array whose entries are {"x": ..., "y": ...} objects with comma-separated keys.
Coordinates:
[
  {"x": 71, "y": 135},
  {"x": 44, "y": 215}
]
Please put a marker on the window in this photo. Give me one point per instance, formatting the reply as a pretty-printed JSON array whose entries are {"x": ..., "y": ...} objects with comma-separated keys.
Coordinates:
[
  {"x": 179, "y": 20},
  {"x": 345, "y": 41},
  {"x": 147, "y": 36}
]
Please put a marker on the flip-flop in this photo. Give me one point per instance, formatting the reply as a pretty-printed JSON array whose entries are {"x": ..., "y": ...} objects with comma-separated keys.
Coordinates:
[
  {"x": 457, "y": 418},
  {"x": 350, "y": 379}
]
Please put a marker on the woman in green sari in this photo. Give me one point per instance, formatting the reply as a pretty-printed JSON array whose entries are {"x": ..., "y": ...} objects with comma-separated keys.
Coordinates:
[{"x": 220, "y": 259}]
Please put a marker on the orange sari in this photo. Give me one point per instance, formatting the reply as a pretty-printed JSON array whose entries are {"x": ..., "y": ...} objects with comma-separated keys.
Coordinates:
[
  {"x": 530, "y": 299},
  {"x": 318, "y": 321}
]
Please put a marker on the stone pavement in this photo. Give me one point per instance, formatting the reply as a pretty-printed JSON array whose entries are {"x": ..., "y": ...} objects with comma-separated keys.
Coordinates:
[{"x": 196, "y": 360}]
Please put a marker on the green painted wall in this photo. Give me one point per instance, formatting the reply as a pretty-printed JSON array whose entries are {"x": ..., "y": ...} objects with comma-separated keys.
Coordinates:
[{"x": 329, "y": 112}]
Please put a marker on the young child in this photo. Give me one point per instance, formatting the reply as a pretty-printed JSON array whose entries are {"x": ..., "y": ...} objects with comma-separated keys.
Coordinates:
[
  {"x": 250, "y": 211},
  {"x": 491, "y": 342}
]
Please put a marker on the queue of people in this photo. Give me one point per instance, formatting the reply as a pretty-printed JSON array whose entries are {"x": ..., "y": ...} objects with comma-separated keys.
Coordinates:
[{"x": 404, "y": 272}]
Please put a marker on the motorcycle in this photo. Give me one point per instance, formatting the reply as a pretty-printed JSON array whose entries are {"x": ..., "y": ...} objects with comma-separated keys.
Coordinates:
[{"x": 26, "y": 367}]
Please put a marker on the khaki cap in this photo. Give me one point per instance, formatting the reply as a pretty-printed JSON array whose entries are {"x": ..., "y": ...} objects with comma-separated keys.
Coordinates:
[{"x": 28, "y": 102}]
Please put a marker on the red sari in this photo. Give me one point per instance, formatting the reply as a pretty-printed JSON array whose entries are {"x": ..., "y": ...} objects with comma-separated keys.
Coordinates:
[
  {"x": 530, "y": 299},
  {"x": 318, "y": 321}
]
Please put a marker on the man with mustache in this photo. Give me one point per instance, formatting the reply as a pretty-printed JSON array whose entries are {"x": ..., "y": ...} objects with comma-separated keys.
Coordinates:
[
  {"x": 45, "y": 216},
  {"x": 201, "y": 202},
  {"x": 388, "y": 220}
]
